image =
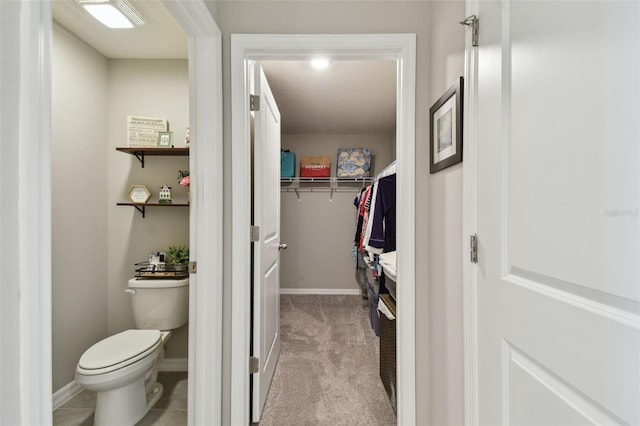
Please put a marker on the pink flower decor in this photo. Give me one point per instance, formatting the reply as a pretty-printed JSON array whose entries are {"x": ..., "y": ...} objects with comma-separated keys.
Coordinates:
[{"x": 183, "y": 177}]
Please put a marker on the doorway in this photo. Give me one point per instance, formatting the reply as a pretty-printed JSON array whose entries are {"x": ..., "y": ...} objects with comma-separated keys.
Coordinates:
[{"x": 245, "y": 48}]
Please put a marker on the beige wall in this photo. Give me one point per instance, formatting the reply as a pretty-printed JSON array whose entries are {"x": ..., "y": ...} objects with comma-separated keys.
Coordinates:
[
  {"x": 79, "y": 202},
  {"x": 95, "y": 242},
  {"x": 149, "y": 88},
  {"x": 340, "y": 17},
  {"x": 317, "y": 227},
  {"x": 445, "y": 232}
]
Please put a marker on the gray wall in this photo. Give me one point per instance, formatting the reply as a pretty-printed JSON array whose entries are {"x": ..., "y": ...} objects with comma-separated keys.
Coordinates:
[
  {"x": 95, "y": 242},
  {"x": 340, "y": 17},
  {"x": 79, "y": 202},
  {"x": 446, "y": 379},
  {"x": 316, "y": 227},
  {"x": 149, "y": 88}
]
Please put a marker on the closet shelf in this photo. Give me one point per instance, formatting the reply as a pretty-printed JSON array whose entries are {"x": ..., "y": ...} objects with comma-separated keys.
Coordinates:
[
  {"x": 327, "y": 184},
  {"x": 316, "y": 182}
]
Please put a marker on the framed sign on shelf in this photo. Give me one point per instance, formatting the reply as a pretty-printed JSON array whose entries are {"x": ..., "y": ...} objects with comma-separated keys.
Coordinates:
[
  {"x": 139, "y": 194},
  {"x": 142, "y": 132},
  {"x": 165, "y": 139},
  {"x": 445, "y": 122}
]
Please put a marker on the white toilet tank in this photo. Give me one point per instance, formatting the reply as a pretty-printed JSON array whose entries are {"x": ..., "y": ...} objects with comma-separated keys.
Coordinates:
[{"x": 159, "y": 304}]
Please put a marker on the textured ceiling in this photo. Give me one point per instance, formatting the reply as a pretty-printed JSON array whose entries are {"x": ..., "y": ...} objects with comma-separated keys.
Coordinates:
[{"x": 348, "y": 97}]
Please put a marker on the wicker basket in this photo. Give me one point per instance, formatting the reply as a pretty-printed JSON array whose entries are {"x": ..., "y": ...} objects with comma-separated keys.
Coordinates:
[{"x": 388, "y": 350}]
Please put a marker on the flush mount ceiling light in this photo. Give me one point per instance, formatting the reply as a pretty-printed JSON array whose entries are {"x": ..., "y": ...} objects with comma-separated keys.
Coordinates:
[
  {"x": 320, "y": 63},
  {"x": 113, "y": 13}
]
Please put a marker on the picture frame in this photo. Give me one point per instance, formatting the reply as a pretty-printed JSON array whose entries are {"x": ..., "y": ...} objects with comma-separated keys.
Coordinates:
[
  {"x": 139, "y": 194},
  {"x": 165, "y": 140},
  {"x": 445, "y": 124}
]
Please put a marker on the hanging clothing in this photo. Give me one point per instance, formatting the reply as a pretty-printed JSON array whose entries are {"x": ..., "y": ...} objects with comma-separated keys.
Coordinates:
[
  {"x": 369, "y": 223},
  {"x": 365, "y": 206},
  {"x": 382, "y": 237}
]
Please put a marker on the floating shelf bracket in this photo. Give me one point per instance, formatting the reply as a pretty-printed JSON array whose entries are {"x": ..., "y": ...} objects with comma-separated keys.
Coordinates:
[
  {"x": 140, "y": 208},
  {"x": 140, "y": 156}
]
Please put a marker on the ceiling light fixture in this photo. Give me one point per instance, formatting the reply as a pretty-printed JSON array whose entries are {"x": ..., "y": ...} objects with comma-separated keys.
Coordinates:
[
  {"x": 320, "y": 63},
  {"x": 113, "y": 13}
]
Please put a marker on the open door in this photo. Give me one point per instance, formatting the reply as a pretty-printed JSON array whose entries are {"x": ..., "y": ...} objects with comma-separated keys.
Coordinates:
[
  {"x": 558, "y": 191},
  {"x": 266, "y": 248}
]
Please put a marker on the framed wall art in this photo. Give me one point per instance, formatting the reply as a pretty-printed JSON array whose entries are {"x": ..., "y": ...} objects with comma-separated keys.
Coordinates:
[
  {"x": 445, "y": 122},
  {"x": 165, "y": 139}
]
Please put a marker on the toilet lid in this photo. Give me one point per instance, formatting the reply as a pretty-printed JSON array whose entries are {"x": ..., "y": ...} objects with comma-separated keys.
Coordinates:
[{"x": 129, "y": 345}]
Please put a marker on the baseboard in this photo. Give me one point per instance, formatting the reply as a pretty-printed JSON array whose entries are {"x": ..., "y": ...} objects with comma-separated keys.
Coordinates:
[
  {"x": 65, "y": 394},
  {"x": 325, "y": 291},
  {"x": 174, "y": 364}
]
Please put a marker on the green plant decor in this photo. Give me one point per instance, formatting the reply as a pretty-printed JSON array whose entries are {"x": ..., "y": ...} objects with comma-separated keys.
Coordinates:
[{"x": 177, "y": 255}]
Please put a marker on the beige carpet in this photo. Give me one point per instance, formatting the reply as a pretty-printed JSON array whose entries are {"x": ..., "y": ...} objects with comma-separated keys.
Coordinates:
[{"x": 327, "y": 373}]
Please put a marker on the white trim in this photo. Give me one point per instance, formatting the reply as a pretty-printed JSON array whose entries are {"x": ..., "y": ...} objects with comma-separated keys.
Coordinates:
[
  {"x": 206, "y": 212},
  {"x": 65, "y": 394},
  {"x": 296, "y": 46},
  {"x": 25, "y": 213},
  {"x": 174, "y": 364},
  {"x": 469, "y": 271},
  {"x": 324, "y": 291}
]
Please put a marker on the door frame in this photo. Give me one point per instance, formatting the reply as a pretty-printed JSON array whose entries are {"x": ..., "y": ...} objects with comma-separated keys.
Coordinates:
[
  {"x": 246, "y": 47},
  {"x": 32, "y": 335},
  {"x": 469, "y": 226},
  {"x": 206, "y": 210}
]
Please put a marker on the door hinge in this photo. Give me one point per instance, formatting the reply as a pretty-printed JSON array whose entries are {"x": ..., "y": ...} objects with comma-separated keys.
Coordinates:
[
  {"x": 254, "y": 103},
  {"x": 473, "y": 241},
  {"x": 472, "y": 21},
  {"x": 193, "y": 267},
  {"x": 254, "y": 365},
  {"x": 255, "y": 234}
]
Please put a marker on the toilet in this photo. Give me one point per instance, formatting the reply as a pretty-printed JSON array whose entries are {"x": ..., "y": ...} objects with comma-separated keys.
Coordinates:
[{"x": 123, "y": 368}]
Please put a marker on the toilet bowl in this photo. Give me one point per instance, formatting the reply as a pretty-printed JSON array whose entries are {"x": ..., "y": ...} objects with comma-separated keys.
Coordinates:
[{"x": 123, "y": 368}]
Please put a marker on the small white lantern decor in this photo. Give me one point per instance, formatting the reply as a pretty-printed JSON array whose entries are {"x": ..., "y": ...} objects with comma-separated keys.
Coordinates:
[{"x": 165, "y": 195}]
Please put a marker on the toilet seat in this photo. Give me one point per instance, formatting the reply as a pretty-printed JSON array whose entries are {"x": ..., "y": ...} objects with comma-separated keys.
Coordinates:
[{"x": 118, "y": 351}]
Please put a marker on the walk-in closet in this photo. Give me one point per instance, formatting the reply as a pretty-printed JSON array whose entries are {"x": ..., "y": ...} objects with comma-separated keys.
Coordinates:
[{"x": 337, "y": 219}]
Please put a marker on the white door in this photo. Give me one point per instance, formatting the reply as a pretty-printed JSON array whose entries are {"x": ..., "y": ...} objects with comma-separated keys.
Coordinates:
[
  {"x": 558, "y": 184},
  {"x": 266, "y": 263}
]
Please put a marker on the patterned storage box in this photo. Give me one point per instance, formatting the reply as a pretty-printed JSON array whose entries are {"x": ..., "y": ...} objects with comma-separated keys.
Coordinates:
[
  {"x": 287, "y": 164},
  {"x": 315, "y": 166},
  {"x": 354, "y": 162}
]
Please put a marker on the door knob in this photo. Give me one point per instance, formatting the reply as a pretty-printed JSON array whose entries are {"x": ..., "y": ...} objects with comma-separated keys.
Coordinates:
[{"x": 282, "y": 246}]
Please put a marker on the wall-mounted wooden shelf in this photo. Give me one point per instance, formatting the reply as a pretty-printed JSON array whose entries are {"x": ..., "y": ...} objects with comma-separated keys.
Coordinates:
[
  {"x": 140, "y": 153},
  {"x": 141, "y": 207}
]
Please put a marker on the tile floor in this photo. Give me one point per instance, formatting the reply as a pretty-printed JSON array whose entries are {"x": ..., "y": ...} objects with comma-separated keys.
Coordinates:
[{"x": 170, "y": 410}]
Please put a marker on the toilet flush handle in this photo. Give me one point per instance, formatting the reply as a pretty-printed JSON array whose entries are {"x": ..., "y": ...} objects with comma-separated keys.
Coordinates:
[{"x": 131, "y": 291}]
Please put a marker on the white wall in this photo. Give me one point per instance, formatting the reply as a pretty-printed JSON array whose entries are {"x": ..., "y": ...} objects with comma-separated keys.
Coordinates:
[
  {"x": 149, "y": 88},
  {"x": 445, "y": 232},
  {"x": 339, "y": 17},
  {"x": 320, "y": 231},
  {"x": 79, "y": 202}
]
